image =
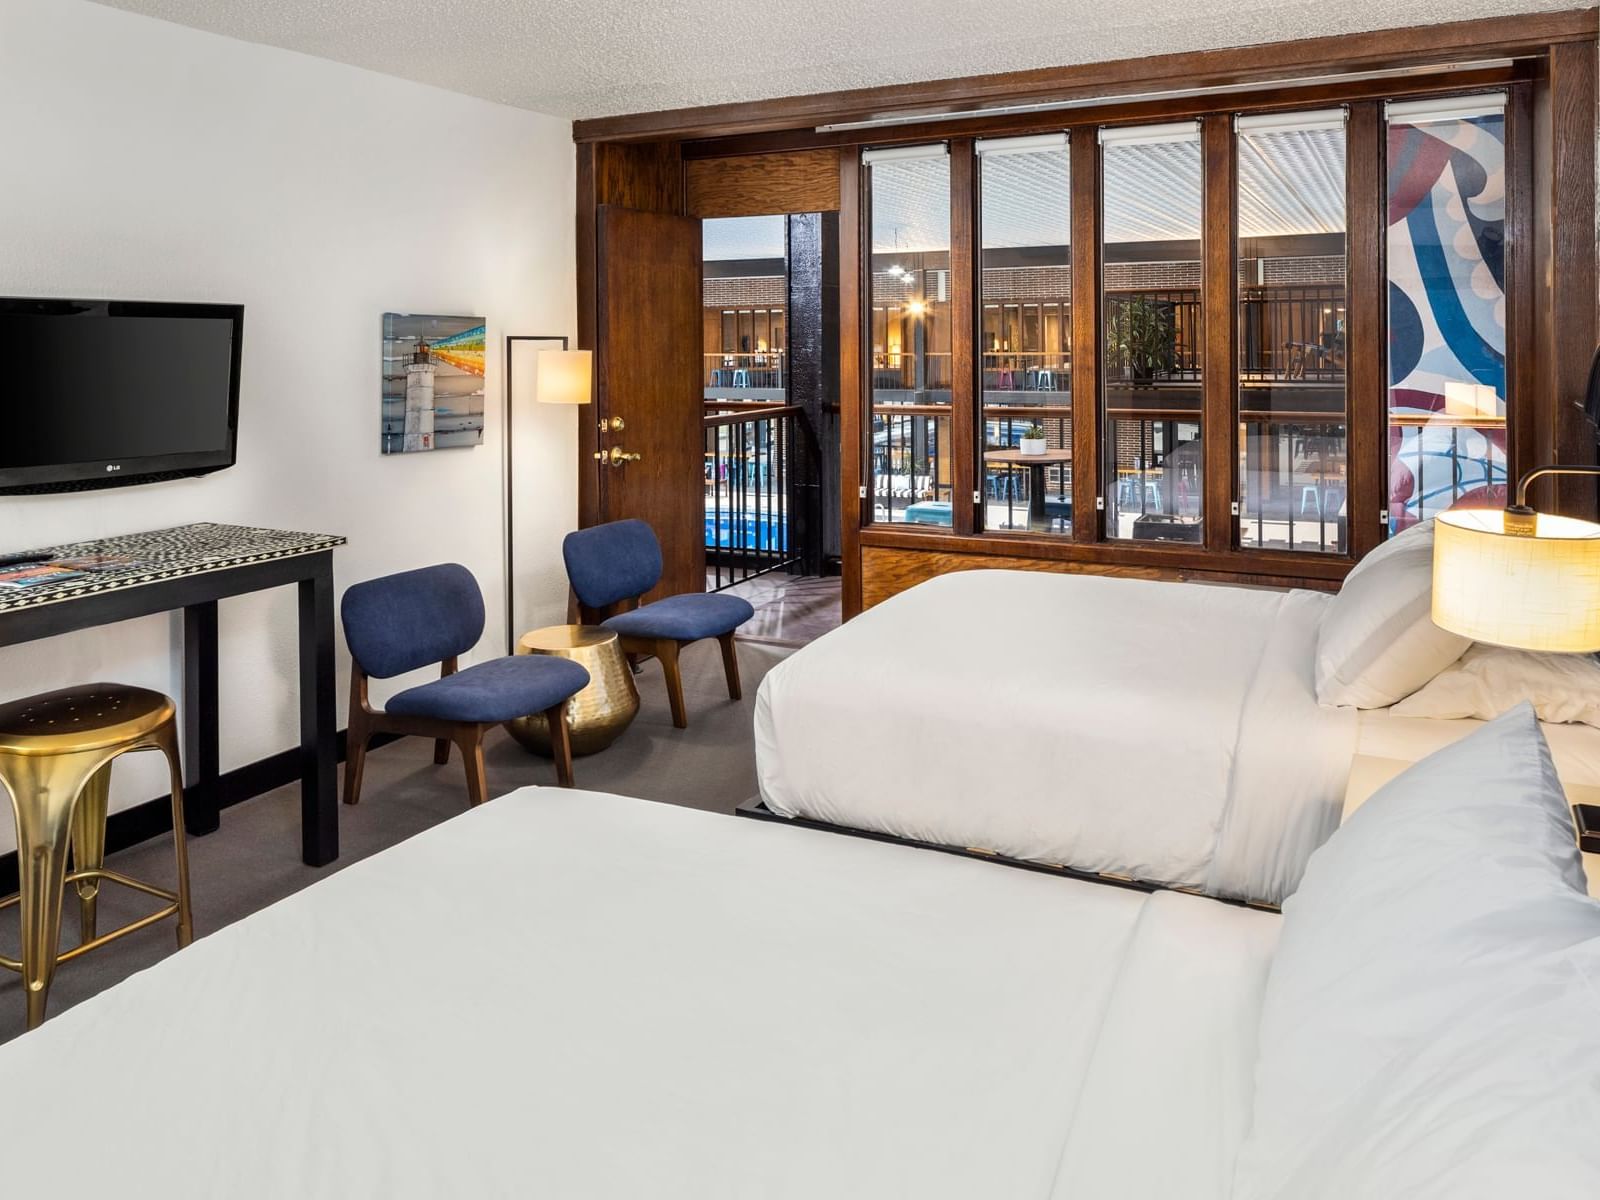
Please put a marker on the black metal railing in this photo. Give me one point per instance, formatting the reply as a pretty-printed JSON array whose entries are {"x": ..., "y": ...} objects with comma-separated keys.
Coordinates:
[
  {"x": 1293, "y": 484},
  {"x": 911, "y": 465},
  {"x": 748, "y": 493},
  {"x": 1292, "y": 332},
  {"x": 730, "y": 369}
]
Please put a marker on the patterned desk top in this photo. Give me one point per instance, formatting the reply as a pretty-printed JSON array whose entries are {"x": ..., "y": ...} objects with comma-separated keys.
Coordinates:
[{"x": 164, "y": 554}]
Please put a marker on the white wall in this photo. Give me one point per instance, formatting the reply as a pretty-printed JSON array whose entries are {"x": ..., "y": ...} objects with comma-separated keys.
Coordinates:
[{"x": 143, "y": 160}]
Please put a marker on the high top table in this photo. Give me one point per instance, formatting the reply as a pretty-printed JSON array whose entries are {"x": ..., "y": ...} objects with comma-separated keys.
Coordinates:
[{"x": 191, "y": 567}]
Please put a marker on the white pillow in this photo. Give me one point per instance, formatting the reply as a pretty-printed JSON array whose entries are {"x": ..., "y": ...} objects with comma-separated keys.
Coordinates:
[
  {"x": 1378, "y": 642},
  {"x": 1489, "y": 680},
  {"x": 1429, "y": 1027}
]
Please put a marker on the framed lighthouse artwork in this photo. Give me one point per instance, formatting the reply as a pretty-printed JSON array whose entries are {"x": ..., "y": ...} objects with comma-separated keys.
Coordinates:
[{"x": 432, "y": 382}]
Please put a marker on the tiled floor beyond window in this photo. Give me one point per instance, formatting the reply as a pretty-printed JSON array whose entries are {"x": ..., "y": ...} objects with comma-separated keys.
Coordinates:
[{"x": 791, "y": 610}]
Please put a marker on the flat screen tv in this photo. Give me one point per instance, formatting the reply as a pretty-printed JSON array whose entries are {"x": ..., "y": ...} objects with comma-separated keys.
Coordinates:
[{"x": 101, "y": 393}]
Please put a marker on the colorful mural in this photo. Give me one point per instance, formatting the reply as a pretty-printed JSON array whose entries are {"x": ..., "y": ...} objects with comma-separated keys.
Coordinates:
[{"x": 1447, "y": 313}]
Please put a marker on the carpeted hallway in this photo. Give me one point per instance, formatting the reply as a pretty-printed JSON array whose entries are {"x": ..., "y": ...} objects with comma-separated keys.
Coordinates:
[{"x": 254, "y": 859}]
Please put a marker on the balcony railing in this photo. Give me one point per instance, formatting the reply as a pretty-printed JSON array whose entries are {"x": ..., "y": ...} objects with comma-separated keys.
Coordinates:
[
  {"x": 896, "y": 371},
  {"x": 1438, "y": 459},
  {"x": 1292, "y": 333},
  {"x": 727, "y": 371},
  {"x": 748, "y": 497},
  {"x": 1293, "y": 485}
]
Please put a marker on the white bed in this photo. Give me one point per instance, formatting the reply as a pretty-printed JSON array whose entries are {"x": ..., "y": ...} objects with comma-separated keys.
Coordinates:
[
  {"x": 1165, "y": 732},
  {"x": 579, "y": 995}
]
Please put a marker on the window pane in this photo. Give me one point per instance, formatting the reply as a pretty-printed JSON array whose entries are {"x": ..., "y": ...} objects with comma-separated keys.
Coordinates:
[
  {"x": 1292, "y": 424},
  {"x": 909, "y": 200},
  {"x": 1151, "y": 205},
  {"x": 1447, "y": 309},
  {"x": 1026, "y": 368}
]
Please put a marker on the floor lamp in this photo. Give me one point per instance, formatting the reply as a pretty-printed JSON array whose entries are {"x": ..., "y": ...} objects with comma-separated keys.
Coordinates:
[{"x": 560, "y": 377}]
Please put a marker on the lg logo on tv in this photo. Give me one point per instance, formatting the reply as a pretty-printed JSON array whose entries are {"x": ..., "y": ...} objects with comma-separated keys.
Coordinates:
[{"x": 113, "y": 466}]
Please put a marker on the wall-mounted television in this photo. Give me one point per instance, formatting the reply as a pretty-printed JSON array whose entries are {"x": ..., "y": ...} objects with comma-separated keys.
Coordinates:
[{"x": 101, "y": 393}]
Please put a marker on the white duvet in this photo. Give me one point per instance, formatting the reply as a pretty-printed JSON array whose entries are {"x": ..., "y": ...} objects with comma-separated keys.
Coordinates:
[
  {"x": 568, "y": 994},
  {"x": 1168, "y": 732}
]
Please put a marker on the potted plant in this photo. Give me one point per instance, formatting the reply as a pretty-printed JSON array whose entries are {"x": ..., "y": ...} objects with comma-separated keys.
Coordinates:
[
  {"x": 1033, "y": 440},
  {"x": 1139, "y": 335}
]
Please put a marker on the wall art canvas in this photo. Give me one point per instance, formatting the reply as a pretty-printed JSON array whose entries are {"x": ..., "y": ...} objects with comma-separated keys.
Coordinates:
[{"x": 432, "y": 382}]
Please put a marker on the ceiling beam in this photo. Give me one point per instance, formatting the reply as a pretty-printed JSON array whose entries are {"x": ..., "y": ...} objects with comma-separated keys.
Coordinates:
[{"x": 1457, "y": 41}]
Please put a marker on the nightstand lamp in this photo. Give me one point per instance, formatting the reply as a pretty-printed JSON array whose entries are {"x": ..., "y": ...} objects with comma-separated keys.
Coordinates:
[{"x": 1525, "y": 579}]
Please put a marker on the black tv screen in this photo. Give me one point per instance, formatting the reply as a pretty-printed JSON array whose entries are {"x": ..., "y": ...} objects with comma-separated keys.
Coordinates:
[{"x": 97, "y": 393}]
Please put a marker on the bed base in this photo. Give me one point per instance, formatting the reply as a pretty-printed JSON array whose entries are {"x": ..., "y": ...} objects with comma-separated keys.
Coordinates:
[{"x": 755, "y": 809}]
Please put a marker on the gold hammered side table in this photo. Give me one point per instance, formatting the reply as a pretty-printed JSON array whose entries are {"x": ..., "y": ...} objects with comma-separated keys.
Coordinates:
[
  {"x": 56, "y": 751},
  {"x": 598, "y": 714}
]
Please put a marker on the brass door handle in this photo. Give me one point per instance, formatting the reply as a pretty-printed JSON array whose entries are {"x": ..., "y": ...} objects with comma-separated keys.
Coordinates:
[{"x": 616, "y": 457}]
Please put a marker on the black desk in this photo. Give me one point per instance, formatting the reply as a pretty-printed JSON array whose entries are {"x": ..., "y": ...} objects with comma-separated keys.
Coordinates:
[{"x": 191, "y": 567}]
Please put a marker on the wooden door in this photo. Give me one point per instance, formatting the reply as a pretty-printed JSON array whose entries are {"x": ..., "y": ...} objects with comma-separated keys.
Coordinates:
[{"x": 648, "y": 377}]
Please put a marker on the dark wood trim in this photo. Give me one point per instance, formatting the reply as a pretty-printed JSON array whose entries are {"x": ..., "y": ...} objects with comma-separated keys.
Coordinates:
[
  {"x": 852, "y": 399},
  {"x": 588, "y": 327},
  {"x": 1444, "y": 81},
  {"x": 887, "y": 571},
  {"x": 1522, "y": 289},
  {"x": 1567, "y": 328},
  {"x": 966, "y": 436},
  {"x": 1366, "y": 396},
  {"x": 1220, "y": 367},
  {"x": 1457, "y": 41},
  {"x": 1294, "y": 567},
  {"x": 747, "y": 185},
  {"x": 1087, "y": 520}
]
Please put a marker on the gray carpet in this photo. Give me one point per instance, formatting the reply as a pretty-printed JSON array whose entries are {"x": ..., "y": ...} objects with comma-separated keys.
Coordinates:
[{"x": 254, "y": 859}]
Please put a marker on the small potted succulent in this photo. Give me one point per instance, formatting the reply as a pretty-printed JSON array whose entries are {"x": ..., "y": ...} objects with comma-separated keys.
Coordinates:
[{"x": 1033, "y": 441}]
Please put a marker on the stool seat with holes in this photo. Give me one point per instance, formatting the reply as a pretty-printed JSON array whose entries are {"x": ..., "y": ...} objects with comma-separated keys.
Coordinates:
[{"x": 56, "y": 752}]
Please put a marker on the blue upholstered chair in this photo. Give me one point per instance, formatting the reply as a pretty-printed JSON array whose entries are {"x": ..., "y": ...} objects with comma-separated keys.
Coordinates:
[
  {"x": 417, "y": 618},
  {"x": 611, "y": 566}
]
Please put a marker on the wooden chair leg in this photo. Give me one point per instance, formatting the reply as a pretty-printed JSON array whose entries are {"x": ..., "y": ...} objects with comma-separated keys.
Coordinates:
[
  {"x": 441, "y": 751},
  {"x": 470, "y": 739},
  {"x": 667, "y": 652},
  {"x": 355, "y": 758},
  {"x": 730, "y": 667},
  {"x": 560, "y": 742}
]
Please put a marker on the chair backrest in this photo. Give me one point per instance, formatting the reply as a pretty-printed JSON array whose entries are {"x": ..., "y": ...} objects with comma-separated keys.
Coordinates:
[
  {"x": 608, "y": 563},
  {"x": 401, "y": 622}
]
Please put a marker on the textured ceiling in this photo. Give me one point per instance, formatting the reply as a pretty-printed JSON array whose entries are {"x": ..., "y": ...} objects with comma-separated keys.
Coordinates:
[{"x": 584, "y": 58}]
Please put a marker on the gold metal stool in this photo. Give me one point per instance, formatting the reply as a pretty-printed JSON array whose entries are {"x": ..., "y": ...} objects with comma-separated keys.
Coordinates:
[
  {"x": 598, "y": 714},
  {"x": 56, "y": 752}
]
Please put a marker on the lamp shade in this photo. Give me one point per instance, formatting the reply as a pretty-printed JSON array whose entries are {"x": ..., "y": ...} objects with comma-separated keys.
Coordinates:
[
  {"x": 562, "y": 376},
  {"x": 1533, "y": 592}
]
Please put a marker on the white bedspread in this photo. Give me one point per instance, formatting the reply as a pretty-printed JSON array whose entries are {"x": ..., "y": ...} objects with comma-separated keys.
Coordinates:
[
  {"x": 1165, "y": 731},
  {"x": 568, "y": 994}
]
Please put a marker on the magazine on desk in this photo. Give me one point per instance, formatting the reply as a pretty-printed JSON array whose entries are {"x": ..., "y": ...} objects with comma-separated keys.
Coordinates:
[{"x": 60, "y": 570}]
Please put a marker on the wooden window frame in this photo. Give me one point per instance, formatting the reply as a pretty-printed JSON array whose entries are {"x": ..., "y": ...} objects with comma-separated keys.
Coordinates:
[
  {"x": 1220, "y": 553},
  {"x": 641, "y": 160}
]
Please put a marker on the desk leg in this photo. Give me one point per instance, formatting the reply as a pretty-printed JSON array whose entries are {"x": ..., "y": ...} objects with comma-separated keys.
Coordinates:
[
  {"x": 319, "y": 808},
  {"x": 1036, "y": 509},
  {"x": 202, "y": 802}
]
